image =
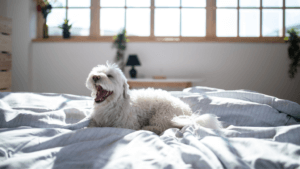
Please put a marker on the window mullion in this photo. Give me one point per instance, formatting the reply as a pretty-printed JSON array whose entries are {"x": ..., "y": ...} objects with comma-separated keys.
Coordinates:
[
  {"x": 260, "y": 20},
  {"x": 238, "y": 18},
  {"x": 67, "y": 7},
  {"x": 125, "y": 18},
  {"x": 283, "y": 19},
  {"x": 211, "y": 18},
  {"x": 152, "y": 19},
  {"x": 95, "y": 18},
  {"x": 180, "y": 10}
]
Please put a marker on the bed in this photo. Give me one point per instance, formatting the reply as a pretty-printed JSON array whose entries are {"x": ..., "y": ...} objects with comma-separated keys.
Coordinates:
[{"x": 48, "y": 130}]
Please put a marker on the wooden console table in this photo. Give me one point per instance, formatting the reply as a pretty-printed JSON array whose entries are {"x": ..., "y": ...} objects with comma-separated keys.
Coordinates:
[{"x": 160, "y": 83}]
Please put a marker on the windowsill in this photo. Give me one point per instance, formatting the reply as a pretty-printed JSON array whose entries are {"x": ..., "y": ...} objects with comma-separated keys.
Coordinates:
[{"x": 166, "y": 39}]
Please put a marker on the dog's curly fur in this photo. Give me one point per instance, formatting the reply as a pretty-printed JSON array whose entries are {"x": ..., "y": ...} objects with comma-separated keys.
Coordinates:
[{"x": 147, "y": 109}]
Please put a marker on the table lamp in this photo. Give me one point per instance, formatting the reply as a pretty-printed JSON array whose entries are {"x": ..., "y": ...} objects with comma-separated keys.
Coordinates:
[{"x": 133, "y": 61}]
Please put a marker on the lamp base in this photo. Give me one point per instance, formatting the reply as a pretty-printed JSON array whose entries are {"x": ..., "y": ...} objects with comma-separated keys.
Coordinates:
[{"x": 132, "y": 72}]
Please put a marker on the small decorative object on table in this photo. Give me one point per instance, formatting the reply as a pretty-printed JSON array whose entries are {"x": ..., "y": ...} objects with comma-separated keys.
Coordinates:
[
  {"x": 294, "y": 51},
  {"x": 133, "y": 61},
  {"x": 44, "y": 7},
  {"x": 120, "y": 43},
  {"x": 66, "y": 29},
  {"x": 159, "y": 77}
]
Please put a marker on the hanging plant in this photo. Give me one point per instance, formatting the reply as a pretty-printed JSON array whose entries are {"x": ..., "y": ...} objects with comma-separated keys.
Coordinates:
[
  {"x": 293, "y": 51},
  {"x": 120, "y": 43}
]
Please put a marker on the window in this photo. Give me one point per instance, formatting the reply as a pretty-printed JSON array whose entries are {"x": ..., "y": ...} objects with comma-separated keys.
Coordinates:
[
  {"x": 134, "y": 15},
  {"x": 76, "y": 11},
  {"x": 177, "y": 20},
  {"x": 173, "y": 18},
  {"x": 246, "y": 18}
]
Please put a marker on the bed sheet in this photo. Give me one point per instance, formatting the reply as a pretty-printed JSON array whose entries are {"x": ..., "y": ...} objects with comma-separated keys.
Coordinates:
[{"x": 44, "y": 130}]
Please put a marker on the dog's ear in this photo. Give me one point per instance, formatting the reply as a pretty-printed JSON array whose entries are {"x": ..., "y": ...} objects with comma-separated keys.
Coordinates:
[
  {"x": 88, "y": 83},
  {"x": 125, "y": 90}
]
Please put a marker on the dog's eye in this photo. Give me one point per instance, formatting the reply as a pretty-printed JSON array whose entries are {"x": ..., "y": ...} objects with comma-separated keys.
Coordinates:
[{"x": 110, "y": 76}]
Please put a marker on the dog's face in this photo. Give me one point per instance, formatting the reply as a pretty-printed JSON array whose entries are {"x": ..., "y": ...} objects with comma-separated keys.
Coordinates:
[{"x": 107, "y": 83}]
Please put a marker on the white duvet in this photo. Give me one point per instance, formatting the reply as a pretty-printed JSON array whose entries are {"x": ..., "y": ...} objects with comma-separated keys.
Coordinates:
[{"x": 48, "y": 131}]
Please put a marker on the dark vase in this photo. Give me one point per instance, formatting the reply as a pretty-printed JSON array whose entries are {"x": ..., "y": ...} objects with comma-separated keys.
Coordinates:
[
  {"x": 45, "y": 30},
  {"x": 66, "y": 34},
  {"x": 132, "y": 72}
]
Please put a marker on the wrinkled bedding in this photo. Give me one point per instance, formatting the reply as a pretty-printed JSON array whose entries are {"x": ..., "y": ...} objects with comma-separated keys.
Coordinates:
[{"x": 44, "y": 130}]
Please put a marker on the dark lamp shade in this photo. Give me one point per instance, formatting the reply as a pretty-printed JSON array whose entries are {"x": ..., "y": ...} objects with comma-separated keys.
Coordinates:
[{"x": 133, "y": 61}]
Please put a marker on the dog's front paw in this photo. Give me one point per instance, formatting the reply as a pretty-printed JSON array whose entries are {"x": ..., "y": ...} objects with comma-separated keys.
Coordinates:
[{"x": 92, "y": 123}]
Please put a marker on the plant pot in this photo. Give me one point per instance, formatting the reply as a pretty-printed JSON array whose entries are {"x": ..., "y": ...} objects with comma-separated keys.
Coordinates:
[
  {"x": 45, "y": 30},
  {"x": 66, "y": 34}
]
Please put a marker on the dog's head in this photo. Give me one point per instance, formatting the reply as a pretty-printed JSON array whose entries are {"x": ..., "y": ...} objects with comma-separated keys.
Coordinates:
[{"x": 107, "y": 83}]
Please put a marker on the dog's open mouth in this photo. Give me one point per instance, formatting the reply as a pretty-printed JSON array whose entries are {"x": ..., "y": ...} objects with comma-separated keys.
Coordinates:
[{"x": 102, "y": 94}]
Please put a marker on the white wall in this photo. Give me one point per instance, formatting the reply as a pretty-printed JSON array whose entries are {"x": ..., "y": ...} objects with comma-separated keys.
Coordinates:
[
  {"x": 63, "y": 67},
  {"x": 23, "y": 14},
  {"x": 3, "y": 8}
]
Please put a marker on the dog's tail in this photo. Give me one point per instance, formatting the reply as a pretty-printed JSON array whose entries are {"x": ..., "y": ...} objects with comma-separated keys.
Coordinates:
[{"x": 205, "y": 120}]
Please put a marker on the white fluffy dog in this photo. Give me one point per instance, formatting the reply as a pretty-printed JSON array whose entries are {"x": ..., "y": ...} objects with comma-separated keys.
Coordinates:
[{"x": 146, "y": 109}]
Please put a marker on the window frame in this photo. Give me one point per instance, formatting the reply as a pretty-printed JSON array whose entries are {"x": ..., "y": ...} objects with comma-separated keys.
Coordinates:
[{"x": 211, "y": 10}]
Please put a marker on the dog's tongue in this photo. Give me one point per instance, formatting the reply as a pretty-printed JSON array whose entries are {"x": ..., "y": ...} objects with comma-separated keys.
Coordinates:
[{"x": 101, "y": 93}]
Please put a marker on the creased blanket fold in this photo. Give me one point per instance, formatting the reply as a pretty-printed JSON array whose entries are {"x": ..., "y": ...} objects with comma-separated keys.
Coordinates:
[{"x": 40, "y": 130}]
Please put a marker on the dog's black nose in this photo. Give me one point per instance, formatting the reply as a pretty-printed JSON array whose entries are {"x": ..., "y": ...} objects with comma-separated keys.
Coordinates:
[{"x": 96, "y": 78}]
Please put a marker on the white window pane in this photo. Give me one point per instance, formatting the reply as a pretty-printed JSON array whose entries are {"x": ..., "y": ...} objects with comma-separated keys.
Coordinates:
[
  {"x": 79, "y": 3},
  {"x": 111, "y": 21},
  {"x": 226, "y": 3},
  {"x": 249, "y": 22},
  {"x": 167, "y": 22},
  {"x": 249, "y": 3},
  {"x": 138, "y": 3},
  {"x": 58, "y": 3},
  {"x": 226, "y": 22},
  {"x": 193, "y": 3},
  {"x": 112, "y": 3},
  {"x": 167, "y": 3},
  {"x": 292, "y": 3},
  {"x": 292, "y": 19},
  {"x": 138, "y": 22},
  {"x": 54, "y": 19},
  {"x": 272, "y": 22},
  {"x": 193, "y": 22},
  {"x": 272, "y": 3},
  {"x": 80, "y": 20}
]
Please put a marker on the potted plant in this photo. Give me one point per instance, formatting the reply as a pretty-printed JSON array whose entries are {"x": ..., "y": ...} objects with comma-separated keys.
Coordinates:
[
  {"x": 120, "y": 43},
  {"x": 66, "y": 29},
  {"x": 44, "y": 7},
  {"x": 293, "y": 51}
]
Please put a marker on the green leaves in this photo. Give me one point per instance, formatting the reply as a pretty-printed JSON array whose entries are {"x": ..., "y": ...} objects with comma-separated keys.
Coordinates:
[
  {"x": 293, "y": 31},
  {"x": 120, "y": 40},
  {"x": 294, "y": 51},
  {"x": 65, "y": 26}
]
